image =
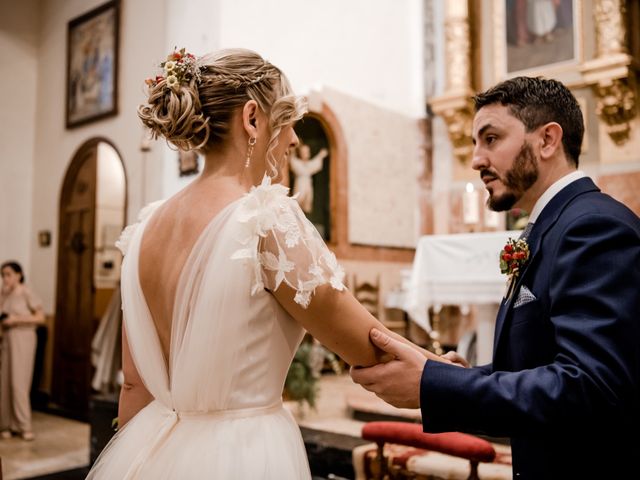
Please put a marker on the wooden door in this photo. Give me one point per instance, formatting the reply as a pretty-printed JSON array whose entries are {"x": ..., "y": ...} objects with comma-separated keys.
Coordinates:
[{"x": 74, "y": 322}]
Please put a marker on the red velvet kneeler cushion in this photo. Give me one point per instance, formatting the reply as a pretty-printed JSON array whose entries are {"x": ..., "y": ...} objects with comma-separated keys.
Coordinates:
[{"x": 452, "y": 443}]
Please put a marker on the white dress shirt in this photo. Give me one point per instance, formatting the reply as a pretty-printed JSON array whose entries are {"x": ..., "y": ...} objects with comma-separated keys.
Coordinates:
[{"x": 551, "y": 192}]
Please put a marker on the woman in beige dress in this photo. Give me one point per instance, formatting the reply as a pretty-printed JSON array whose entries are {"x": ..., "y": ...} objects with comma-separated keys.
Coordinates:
[{"x": 21, "y": 313}]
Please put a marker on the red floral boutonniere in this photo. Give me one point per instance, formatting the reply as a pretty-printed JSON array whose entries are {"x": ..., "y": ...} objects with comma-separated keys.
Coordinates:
[{"x": 513, "y": 258}]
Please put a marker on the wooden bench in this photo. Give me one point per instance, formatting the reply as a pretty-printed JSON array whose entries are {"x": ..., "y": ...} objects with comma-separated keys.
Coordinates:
[{"x": 456, "y": 444}]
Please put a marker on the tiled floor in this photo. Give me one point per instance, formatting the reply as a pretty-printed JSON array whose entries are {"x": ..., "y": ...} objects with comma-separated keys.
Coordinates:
[
  {"x": 338, "y": 397},
  {"x": 60, "y": 444}
]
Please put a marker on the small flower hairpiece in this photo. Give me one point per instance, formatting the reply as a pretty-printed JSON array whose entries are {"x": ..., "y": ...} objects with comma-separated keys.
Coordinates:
[{"x": 179, "y": 68}]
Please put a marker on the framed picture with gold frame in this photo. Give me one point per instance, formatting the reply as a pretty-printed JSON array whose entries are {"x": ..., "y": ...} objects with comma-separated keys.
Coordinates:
[
  {"x": 92, "y": 65},
  {"x": 537, "y": 37}
]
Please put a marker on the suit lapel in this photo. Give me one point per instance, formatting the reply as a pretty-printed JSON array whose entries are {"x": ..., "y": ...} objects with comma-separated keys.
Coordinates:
[{"x": 545, "y": 221}]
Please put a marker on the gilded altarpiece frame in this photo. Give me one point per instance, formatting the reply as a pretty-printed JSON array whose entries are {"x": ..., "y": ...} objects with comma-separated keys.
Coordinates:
[
  {"x": 537, "y": 38},
  {"x": 604, "y": 60}
]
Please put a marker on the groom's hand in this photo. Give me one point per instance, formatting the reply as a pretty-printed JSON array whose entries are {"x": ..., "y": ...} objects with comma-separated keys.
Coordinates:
[{"x": 397, "y": 381}]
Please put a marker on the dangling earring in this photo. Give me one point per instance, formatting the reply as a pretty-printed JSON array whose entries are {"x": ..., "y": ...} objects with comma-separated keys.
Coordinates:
[{"x": 250, "y": 145}]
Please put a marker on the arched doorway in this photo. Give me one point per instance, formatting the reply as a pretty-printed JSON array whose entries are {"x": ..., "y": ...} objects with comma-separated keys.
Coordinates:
[
  {"x": 319, "y": 129},
  {"x": 91, "y": 216}
]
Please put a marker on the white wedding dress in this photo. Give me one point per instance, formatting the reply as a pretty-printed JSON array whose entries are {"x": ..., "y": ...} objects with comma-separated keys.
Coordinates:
[{"x": 217, "y": 411}]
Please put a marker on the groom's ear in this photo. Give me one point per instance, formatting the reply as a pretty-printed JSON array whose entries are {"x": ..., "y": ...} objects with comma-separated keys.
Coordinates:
[{"x": 550, "y": 140}]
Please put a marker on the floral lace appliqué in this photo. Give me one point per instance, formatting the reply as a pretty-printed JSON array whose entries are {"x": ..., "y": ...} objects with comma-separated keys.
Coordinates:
[
  {"x": 283, "y": 245},
  {"x": 280, "y": 265}
]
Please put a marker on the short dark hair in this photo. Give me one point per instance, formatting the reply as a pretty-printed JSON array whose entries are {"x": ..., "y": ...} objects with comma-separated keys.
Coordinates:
[
  {"x": 536, "y": 101},
  {"x": 15, "y": 266}
]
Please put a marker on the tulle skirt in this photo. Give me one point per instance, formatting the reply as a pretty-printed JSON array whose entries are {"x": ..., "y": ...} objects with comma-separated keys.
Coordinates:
[{"x": 248, "y": 444}]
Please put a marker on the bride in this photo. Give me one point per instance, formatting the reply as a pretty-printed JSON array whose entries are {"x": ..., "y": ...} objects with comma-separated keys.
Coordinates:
[{"x": 220, "y": 282}]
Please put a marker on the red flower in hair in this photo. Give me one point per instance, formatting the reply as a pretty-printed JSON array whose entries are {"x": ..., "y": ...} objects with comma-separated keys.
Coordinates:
[{"x": 179, "y": 69}]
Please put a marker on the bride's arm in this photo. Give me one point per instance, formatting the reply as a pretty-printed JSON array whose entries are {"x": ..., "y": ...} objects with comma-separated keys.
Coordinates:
[
  {"x": 341, "y": 324},
  {"x": 306, "y": 279},
  {"x": 134, "y": 396}
]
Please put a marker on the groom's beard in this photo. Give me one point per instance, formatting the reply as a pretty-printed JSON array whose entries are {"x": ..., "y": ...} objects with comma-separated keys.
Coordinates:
[{"x": 517, "y": 180}]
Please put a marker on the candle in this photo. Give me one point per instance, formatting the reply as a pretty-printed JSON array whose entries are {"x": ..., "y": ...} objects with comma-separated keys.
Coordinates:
[
  {"x": 470, "y": 207},
  {"x": 457, "y": 9},
  {"x": 491, "y": 217}
]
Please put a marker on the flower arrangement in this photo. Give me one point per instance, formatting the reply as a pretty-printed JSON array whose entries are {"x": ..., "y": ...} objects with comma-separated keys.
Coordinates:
[
  {"x": 517, "y": 219},
  {"x": 179, "y": 68},
  {"x": 304, "y": 372},
  {"x": 513, "y": 258}
]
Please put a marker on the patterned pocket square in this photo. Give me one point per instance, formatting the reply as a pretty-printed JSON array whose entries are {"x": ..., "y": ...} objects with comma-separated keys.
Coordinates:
[{"x": 524, "y": 296}]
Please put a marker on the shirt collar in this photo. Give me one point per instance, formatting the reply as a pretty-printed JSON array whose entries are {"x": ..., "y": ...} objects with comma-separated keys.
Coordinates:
[{"x": 551, "y": 192}]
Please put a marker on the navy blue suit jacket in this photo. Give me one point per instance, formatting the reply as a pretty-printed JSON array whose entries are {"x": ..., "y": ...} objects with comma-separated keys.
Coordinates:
[{"x": 564, "y": 383}]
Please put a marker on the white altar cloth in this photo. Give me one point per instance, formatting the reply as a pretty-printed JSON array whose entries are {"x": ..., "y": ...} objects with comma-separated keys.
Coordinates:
[{"x": 458, "y": 269}]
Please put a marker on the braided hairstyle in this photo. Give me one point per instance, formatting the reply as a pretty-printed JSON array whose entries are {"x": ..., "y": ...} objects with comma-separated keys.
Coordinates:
[{"x": 197, "y": 114}]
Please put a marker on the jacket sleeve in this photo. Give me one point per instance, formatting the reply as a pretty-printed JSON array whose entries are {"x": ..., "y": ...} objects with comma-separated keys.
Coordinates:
[{"x": 594, "y": 302}]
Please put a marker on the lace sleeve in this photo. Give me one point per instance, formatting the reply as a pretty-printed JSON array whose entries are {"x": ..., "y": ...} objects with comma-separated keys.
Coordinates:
[{"x": 284, "y": 246}]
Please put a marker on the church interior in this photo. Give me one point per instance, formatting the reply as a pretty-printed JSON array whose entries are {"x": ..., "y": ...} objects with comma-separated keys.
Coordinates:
[{"x": 383, "y": 171}]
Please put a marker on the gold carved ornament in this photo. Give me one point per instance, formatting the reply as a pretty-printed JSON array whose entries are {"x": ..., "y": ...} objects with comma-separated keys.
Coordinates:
[{"x": 612, "y": 73}]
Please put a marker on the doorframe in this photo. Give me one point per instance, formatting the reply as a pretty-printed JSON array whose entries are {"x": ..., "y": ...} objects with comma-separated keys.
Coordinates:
[{"x": 76, "y": 162}]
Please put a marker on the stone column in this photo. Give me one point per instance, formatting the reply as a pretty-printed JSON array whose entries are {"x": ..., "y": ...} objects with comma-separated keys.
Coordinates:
[{"x": 454, "y": 104}]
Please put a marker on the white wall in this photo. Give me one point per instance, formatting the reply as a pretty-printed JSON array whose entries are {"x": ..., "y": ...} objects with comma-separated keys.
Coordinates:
[
  {"x": 371, "y": 51},
  {"x": 383, "y": 146},
  {"x": 18, "y": 73},
  {"x": 141, "y": 42},
  {"x": 194, "y": 25},
  {"x": 368, "y": 49}
]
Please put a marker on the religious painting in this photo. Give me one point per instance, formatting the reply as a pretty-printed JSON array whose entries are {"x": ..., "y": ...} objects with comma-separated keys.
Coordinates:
[
  {"x": 633, "y": 32},
  {"x": 92, "y": 65},
  {"x": 309, "y": 173},
  {"x": 539, "y": 34}
]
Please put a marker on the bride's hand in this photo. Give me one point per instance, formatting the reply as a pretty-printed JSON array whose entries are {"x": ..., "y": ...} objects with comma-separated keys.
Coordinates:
[{"x": 456, "y": 359}]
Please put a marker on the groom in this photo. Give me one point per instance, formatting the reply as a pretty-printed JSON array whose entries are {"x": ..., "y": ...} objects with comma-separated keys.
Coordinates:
[{"x": 564, "y": 383}]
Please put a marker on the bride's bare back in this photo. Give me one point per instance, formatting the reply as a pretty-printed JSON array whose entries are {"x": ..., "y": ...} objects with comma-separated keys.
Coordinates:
[{"x": 168, "y": 239}]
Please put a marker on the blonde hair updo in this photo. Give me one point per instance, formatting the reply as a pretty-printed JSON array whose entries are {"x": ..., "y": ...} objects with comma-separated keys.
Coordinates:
[{"x": 196, "y": 114}]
